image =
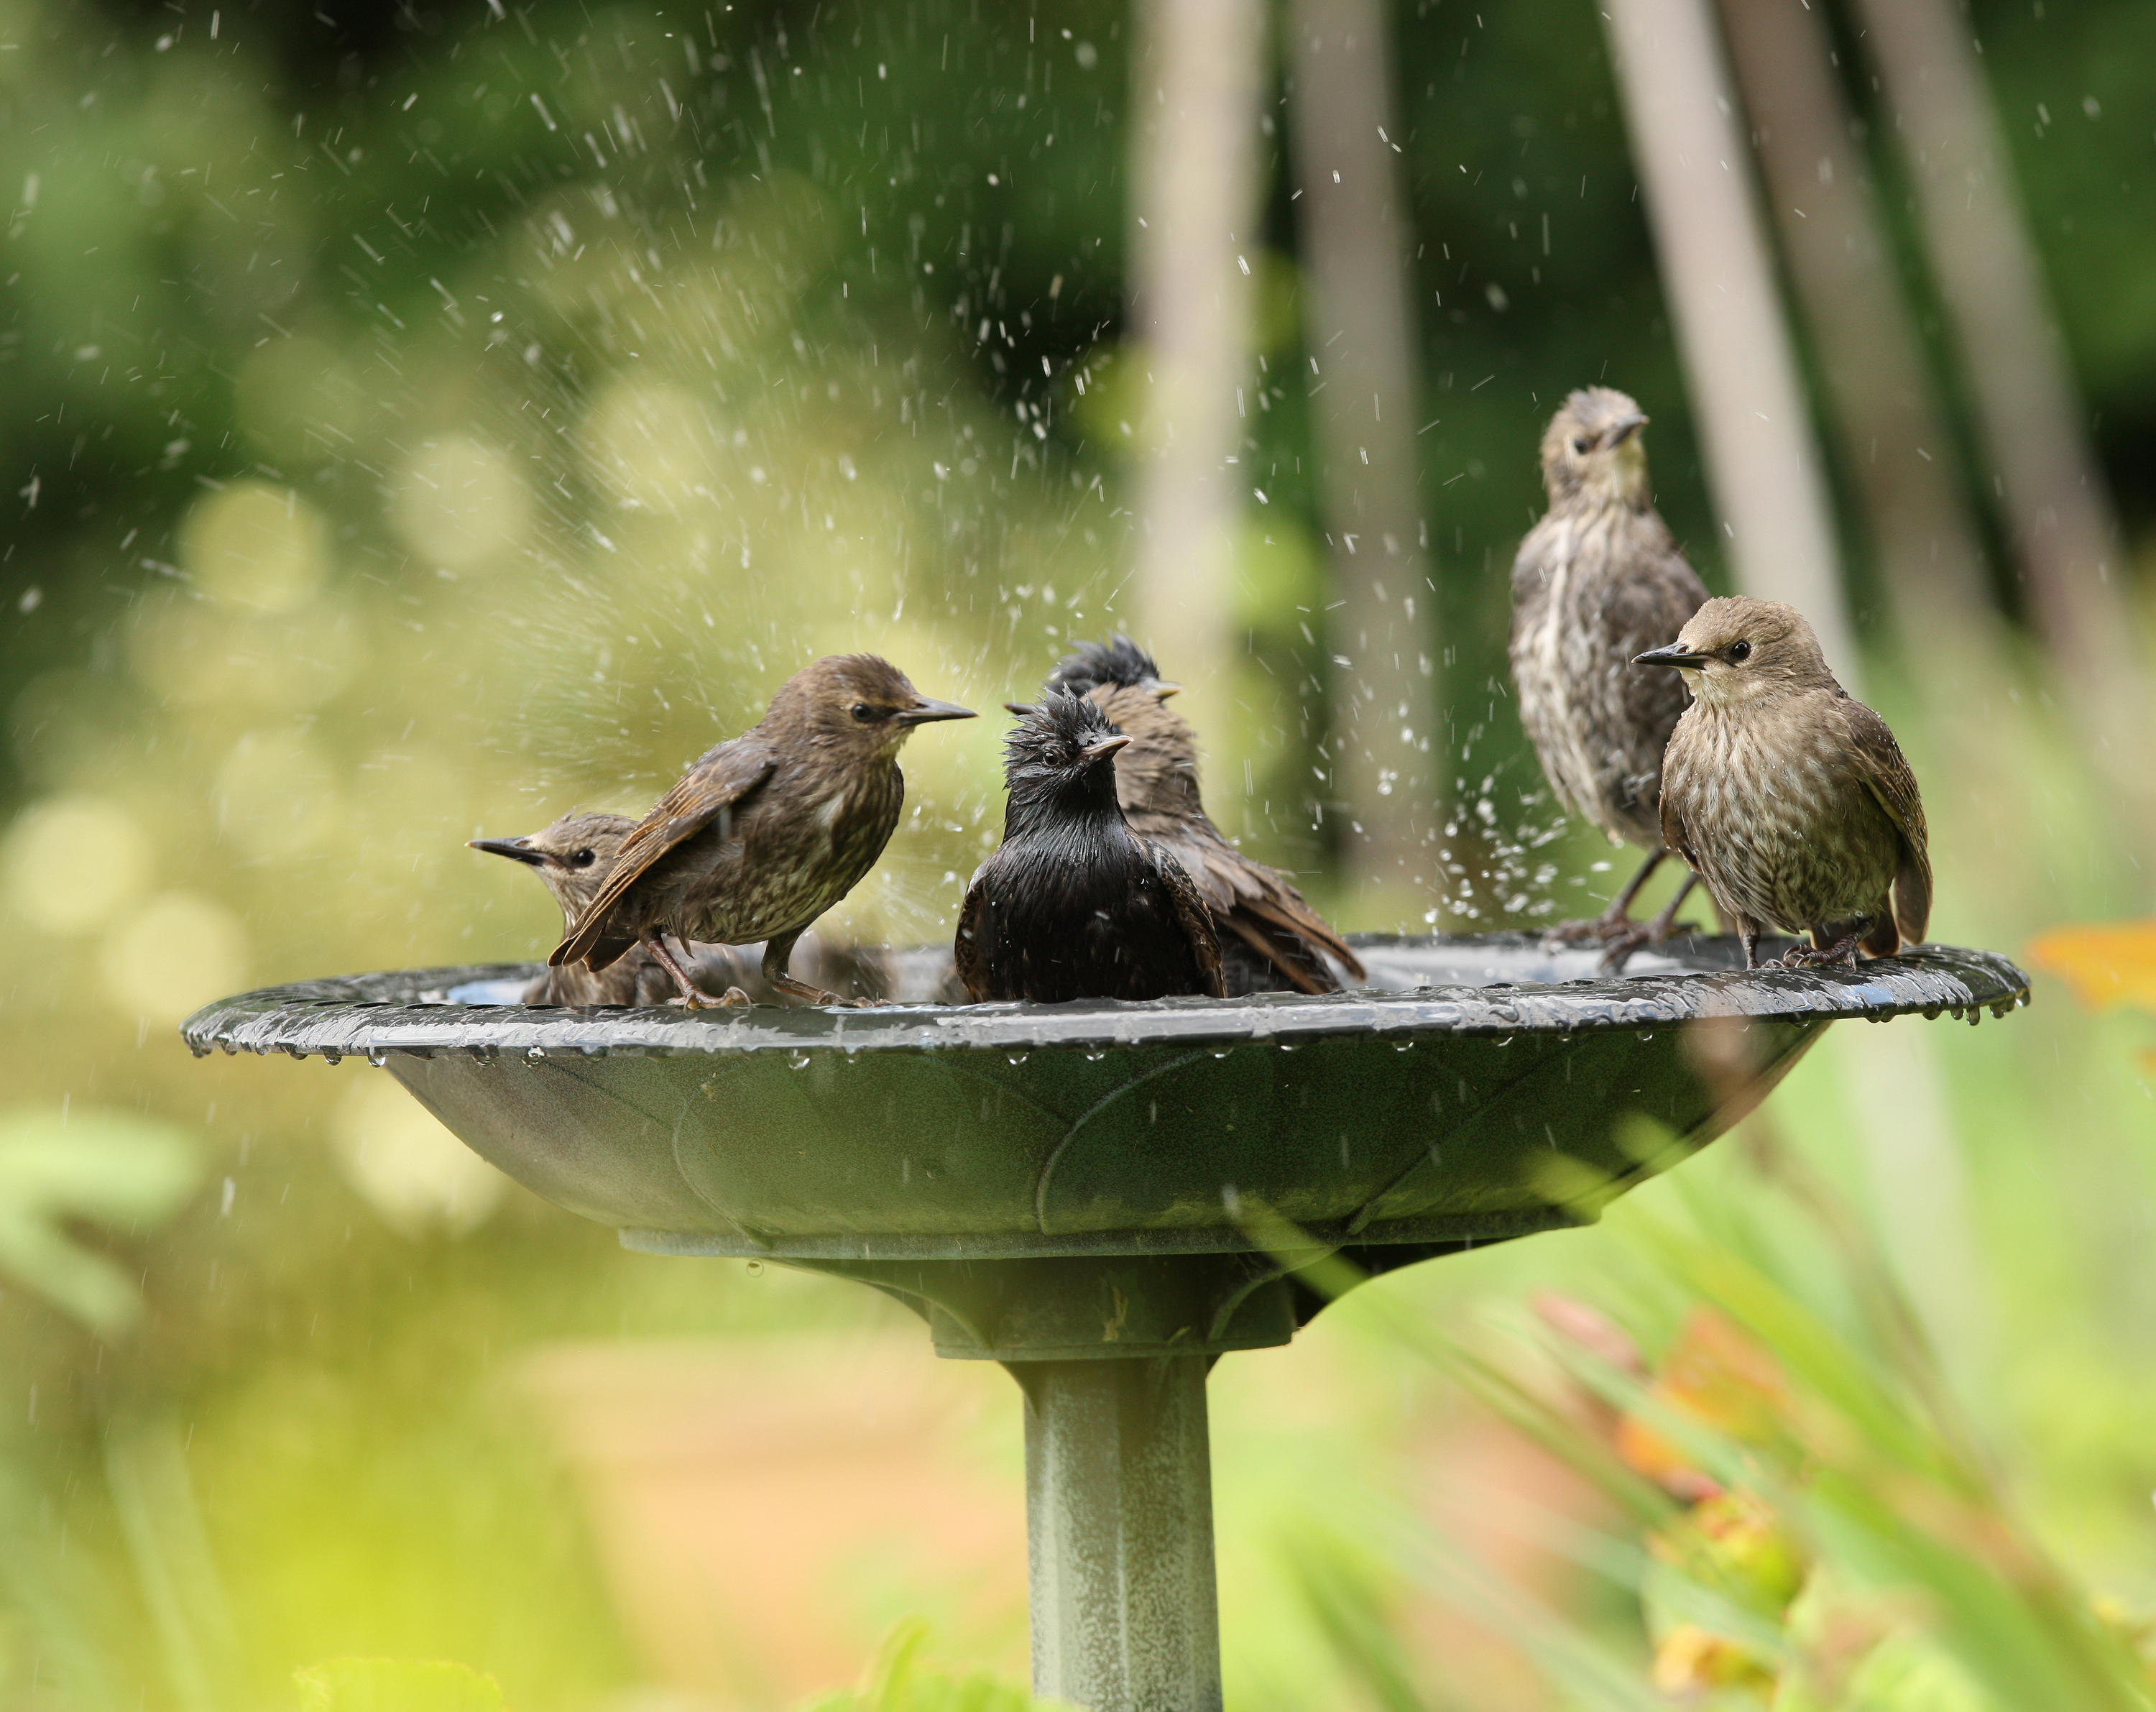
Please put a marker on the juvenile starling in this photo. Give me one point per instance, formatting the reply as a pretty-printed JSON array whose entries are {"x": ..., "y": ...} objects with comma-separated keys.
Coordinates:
[
  {"x": 1073, "y": 904},
  {"x": 573, "y": 857},
  {"x": 1269, "y": 938},
  {"x": 1787, "y": 797},
  {"x": 768, "y": 829},
  {"x": 1599, "y": 580}
]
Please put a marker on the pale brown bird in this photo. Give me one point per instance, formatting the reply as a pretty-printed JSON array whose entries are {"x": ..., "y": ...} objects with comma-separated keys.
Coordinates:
[
  {"x": 1269, "y": 938},
  {"x": 573, "y": 857},
  {"x": 1073, "y": 904},
  {"x": 1597, "y": 581},
  {"x": 1790, "y": 798},
  {"x": 768, "y": 829}
]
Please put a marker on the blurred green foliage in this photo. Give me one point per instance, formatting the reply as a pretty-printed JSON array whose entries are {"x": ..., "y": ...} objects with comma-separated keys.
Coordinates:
[{"x": 418, "y": 421}]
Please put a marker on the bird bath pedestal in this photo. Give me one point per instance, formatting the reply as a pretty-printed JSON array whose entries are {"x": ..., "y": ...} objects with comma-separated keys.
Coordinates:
[{"x": 1107, "y": 1198}]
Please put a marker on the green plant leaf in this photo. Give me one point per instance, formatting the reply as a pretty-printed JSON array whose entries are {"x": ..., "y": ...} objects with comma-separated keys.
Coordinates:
[{"x": 109, "y": 1168}]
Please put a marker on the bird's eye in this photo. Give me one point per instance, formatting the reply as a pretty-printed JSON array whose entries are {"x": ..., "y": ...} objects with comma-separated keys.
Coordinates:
[
  {"x": 1583, "y": 445},
  {"x": 1739, "y": 651},
  {"x": 583, "y": 858},
  {"x": 862, "y": 711}
]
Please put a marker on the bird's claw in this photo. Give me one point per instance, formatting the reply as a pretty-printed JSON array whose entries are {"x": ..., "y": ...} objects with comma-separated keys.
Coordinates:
[
  {"x": 1842, "y": 954},
  {"x": 733, "y": 999}
]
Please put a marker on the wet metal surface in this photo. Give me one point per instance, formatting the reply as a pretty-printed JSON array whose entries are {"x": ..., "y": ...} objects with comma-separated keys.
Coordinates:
[{"x": 1484, "y": 1089}]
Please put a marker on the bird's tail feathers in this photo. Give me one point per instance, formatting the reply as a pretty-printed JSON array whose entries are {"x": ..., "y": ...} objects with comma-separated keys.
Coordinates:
[
  {"x": 1913, "y": 895},
  {"x": 1291, "y": 914}
]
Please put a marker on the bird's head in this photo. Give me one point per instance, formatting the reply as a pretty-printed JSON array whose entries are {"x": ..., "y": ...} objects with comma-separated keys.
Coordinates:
[
  {"x": 1118, "y": 660},
  {"x": 1592, "y": 450},
  {"x": 573, "y": 855},
  {"x": 856, "y": 705},
  {"x": 1734, "y": 651},
  {"x": 1061, "y": 756}
]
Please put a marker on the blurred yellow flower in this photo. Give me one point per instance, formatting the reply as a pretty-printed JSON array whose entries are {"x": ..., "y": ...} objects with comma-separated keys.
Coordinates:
[
  {"x": 71, "y": 863},
  {"x": 2105, "y": 963}
]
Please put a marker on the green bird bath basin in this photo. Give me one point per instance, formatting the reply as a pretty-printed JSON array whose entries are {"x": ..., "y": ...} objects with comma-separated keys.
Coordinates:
[{"x": 1107, "y": 1197}]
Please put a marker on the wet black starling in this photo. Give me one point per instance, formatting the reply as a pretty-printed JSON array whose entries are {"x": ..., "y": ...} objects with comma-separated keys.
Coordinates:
[
  {"x": 768, "y": 829},
  {"x": 1598, "y": 580},
  {"x": 1073, "y": 904},
  {"x": 1269, "y": 938},
  {"x": 573, "y": 857},
  {"x": 1789, "y": 798}
]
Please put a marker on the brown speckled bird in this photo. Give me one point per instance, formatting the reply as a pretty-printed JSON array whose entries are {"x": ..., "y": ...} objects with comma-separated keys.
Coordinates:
[
  {"x": 1073, "y": 904},
  {"x": 1596, "y": 582},
  {"x": 768, "y": 829},
  {"x": 1269, "y": 938},
  {"x": 1789, "y": 798},
  {"x": 573, "y": 857}
]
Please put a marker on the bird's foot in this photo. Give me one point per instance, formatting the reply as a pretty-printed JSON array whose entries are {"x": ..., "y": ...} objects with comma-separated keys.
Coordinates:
[
  {"x": 1617, "y": 949},
  {"x": 733, "y": 999},
  {"x": 1570, "y": 932},
  {"x": 1841, "y": 954},
  {"x": 806, "y": 994}
]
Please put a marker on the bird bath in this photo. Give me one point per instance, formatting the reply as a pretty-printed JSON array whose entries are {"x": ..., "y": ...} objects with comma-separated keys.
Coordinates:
[{"x": 1105, "y": 1197}]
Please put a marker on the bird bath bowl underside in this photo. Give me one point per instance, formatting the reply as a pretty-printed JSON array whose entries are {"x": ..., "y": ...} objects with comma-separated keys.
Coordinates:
[{"x": 1108, "y": 1197}]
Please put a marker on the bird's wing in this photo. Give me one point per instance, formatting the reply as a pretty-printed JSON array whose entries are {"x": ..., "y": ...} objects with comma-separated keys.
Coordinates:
[
  {"x": 1887, "y": 777},
  {"x": 1673, "y": 834},
  {"x": 1249, "y": 898},
  {"x": 1645, "y": 609},
  {"x": 969, "y": 955},
  {"x": 1192, "y": 916},
  {"x": 725, "y": 778}
]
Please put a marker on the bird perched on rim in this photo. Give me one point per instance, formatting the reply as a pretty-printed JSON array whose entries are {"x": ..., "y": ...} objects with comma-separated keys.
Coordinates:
[
  {"x": 1788, "y": 797},
  {"x": 1269, "y": 938},
  {"x": 1073, "y": 904},
  {"x": 1597, "y": 581},
  {"x": 572, "y": 857},
  {"x": 767, "y": 831}
]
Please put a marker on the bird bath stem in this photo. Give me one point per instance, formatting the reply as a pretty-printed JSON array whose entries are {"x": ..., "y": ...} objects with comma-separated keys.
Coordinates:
[{"x": 1105, "y": 1198}]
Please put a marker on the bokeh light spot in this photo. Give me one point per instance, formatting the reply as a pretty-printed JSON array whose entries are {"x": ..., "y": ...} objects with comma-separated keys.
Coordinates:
[
  {"x": 458, "y": 502},
  {"x": 72, "y": 863},
  {"x": 174, "y": 955},
  {"x": 256, "y": 546},
  {"x": 409, "y": 1169}
]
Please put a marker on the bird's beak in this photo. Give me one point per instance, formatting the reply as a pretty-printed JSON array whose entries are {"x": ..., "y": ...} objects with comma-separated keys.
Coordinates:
[
  {"x": 925, "y": 712},
  {"x": 1162, "y": 689},
  {"x": 1106, "y": 746},
  {"x": 1677, "y": 654},
  {"x": 517, "y": 849},
  {"x": 1019, "y": 709},
  {"x": 1623, "y": 429}
]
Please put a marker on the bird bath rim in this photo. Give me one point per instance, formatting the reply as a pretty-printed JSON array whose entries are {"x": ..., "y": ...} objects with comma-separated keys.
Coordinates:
[{"x": 418, "y": 1012}]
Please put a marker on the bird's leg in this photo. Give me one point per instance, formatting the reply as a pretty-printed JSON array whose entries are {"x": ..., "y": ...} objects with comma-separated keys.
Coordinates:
[
  {"x": 777, "y": 953},
  {"x": 1619, "y": 947},
  {"x": 692, "y": 995},
  {"x": 1748, "y": 936},
  {"x": 1841, "y": 953},
  {"x": 1615, "y": 923}
]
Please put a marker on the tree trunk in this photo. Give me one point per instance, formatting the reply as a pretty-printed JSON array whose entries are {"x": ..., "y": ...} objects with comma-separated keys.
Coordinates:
[
  {"x": 1351, "y": 206},
  {"x": 2059, "y": 515},
  {"x": 1755, "y": 428},
  {"x": 1198, "y": 74}
]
